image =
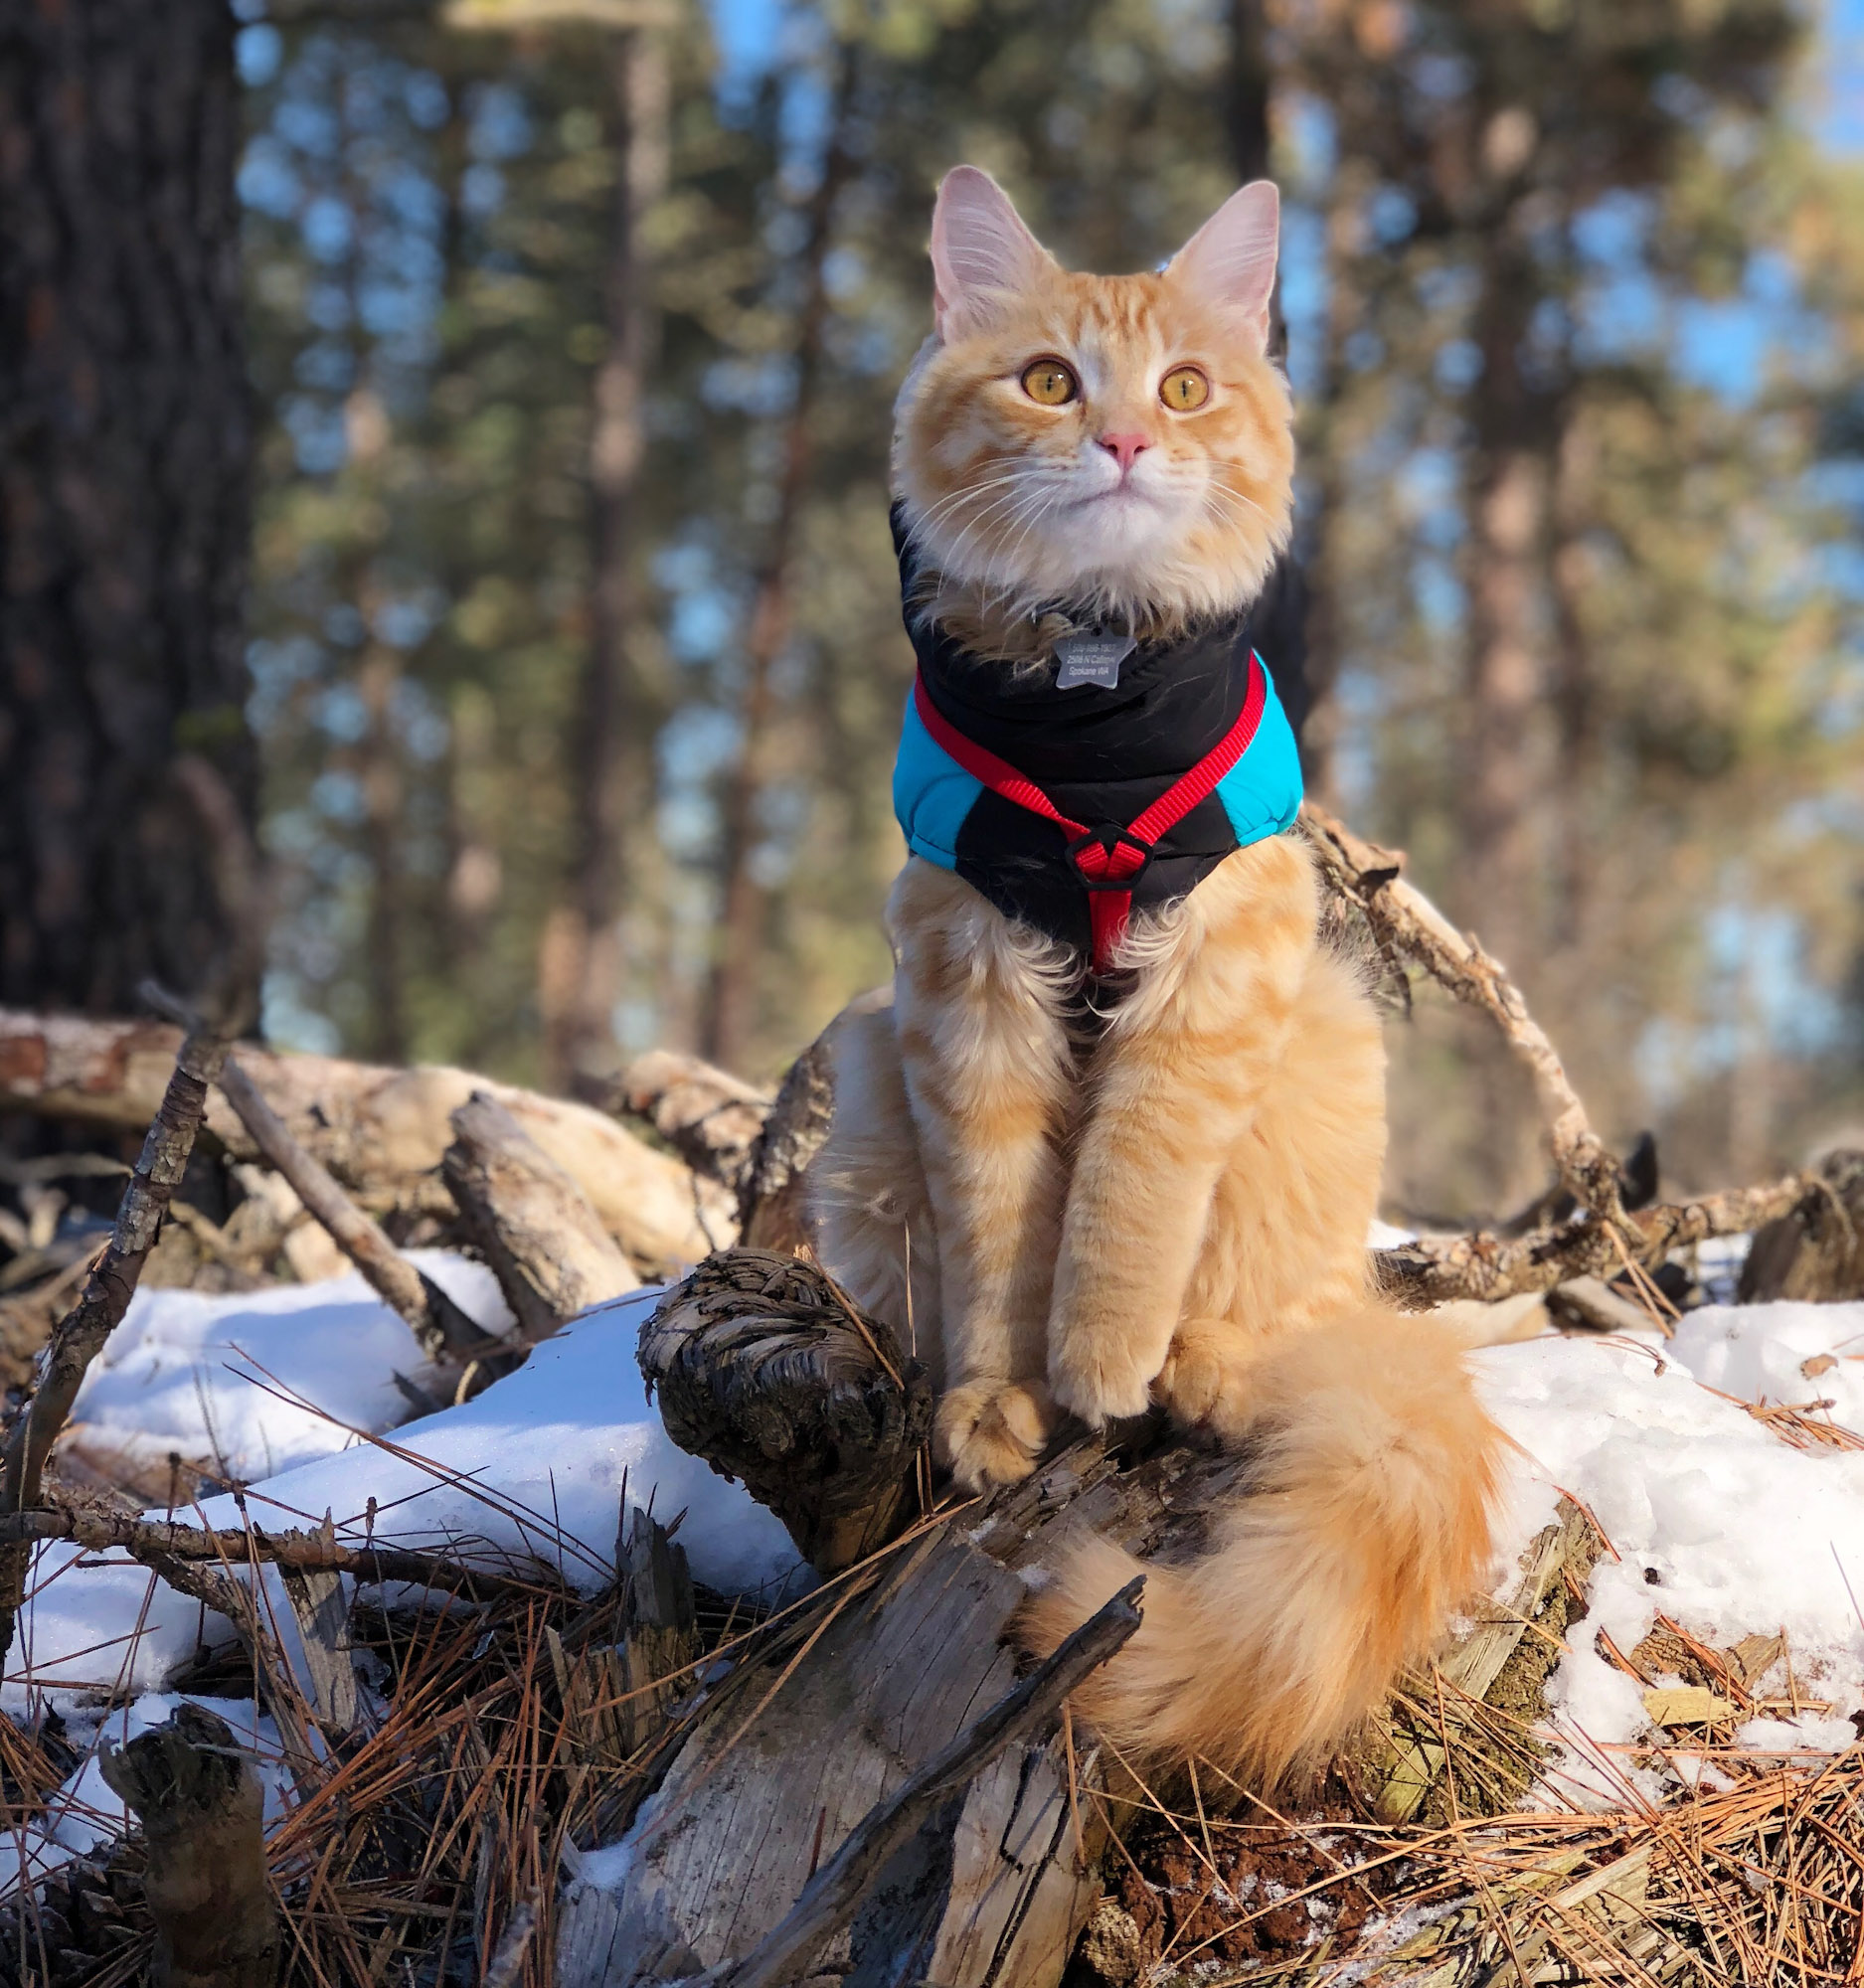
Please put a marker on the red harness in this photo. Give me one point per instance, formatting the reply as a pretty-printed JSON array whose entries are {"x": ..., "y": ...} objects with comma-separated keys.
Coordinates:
[{"x": 1107, "y": 858}]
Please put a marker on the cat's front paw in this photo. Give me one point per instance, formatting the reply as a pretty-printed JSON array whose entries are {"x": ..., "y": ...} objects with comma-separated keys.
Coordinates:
[
  {"x": 1202, "y": 1380},
  {"x": 1097, "y": 1377},
  {"x": 990, "y": 1432}
]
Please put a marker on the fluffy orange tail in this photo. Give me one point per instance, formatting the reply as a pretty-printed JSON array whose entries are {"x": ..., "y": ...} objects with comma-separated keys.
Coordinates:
[{"x": 1367, "y": 1521}]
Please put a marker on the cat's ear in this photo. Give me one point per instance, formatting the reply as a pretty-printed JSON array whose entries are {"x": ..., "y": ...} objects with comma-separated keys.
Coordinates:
[
  {"x": 983, "y": 257},
  {"x": 1230, "y": 261}
]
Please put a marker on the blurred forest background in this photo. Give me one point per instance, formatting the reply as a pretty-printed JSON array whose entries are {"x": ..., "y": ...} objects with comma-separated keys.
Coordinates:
[{"x": 567, "y": 687}]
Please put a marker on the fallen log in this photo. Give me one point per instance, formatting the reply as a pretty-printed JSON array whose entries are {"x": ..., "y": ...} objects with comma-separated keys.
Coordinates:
[
  {"x": 867, "y": 1856},
  {"x": 534, "y": 1226},
  {"x": 710, "y": 1117},
  {"x": 774, "y": 1771},
  {"x": 898, "y": 1654},
  {"x": 380, "y": 1132}
]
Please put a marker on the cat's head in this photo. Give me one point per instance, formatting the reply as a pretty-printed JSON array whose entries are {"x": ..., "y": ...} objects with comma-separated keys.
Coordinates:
[{"x": 1122, "y": 444}]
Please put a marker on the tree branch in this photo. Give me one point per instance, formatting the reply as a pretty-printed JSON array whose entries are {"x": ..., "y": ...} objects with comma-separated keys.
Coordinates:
[
  {"x": 154, "y": 1542},
  {"x": 79, "y": 1336},
  {"x": 1434, "y": 1270},
  {"x": 1404, "y": 920}
]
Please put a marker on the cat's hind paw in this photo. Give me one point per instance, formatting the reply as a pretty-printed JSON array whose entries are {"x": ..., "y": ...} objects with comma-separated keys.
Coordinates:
[{"x": 990, "y": 1432}]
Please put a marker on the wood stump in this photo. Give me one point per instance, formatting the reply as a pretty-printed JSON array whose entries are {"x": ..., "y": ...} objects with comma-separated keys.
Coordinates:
[
  {"x": 762, "y": 1367},
  {"x": 200, "y": 1806}
]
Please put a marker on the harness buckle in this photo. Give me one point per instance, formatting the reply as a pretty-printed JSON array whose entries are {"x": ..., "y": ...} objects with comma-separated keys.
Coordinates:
[{"x": 1110, "y": 836}]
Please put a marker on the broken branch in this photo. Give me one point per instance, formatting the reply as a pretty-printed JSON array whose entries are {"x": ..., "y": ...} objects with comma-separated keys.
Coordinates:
[
  {"x": 199, "y": 1801},
  {"x": 153, "y": 1540},
  {"x": 1434, "y": 1270},
  {"x": 443, "y": 1330},
  {"x": 80, "y": 1334}
]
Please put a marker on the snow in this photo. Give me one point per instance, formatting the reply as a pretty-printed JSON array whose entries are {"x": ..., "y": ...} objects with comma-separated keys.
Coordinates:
[
  {"x": 161, "y": 1383},
  {"x": 531, "y": 1469},
  {"x": 296, "y": 1388},
  {"x": 1716, "y": 1521}
]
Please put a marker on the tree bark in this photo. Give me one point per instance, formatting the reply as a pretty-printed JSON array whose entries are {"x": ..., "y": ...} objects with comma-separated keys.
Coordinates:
[
  {"x": 125, "y": 435},
  {"x": 732, "y": 1001},
  {"x": 582, "y": 972}
]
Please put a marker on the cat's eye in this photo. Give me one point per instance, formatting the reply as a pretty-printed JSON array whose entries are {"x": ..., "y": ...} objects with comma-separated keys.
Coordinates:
[
  {"x": 1183, "y": 389},
  {"x": 1050, "y": 383}
]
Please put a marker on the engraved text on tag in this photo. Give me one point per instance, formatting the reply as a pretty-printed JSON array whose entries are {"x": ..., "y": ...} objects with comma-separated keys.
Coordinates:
[{"x": 1092, "y": 659}]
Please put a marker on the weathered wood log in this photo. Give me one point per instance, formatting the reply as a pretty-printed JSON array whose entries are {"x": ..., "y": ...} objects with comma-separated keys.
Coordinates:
[
  {"x": 380, "y": 1132},
  {"x": 765, "y": 1371},
  {"x": 200, "y": 1806},
  {"x": 543, "y": 1241},
  {"x": 894, "y": 1663},
  {"x": 866, "y": 1860},
  {"x": 710, "y": 1117},
  {"x": 876, "y": 1676},
  {"x": 1815, "y": 1253}
]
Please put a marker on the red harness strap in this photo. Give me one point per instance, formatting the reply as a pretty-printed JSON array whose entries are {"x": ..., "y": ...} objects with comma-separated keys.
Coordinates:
[{"x": 1107, "y": 857}]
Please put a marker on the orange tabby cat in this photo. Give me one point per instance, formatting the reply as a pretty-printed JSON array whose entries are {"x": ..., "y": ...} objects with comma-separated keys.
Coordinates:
[{"x": 1142, "y": 1172}]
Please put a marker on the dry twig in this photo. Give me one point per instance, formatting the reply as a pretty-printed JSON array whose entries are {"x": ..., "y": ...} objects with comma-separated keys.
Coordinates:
[{"x": 79, "y": 1336}]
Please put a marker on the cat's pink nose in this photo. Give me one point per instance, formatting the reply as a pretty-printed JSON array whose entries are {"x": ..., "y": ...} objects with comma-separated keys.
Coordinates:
[{"x": 1123, "y": 449}]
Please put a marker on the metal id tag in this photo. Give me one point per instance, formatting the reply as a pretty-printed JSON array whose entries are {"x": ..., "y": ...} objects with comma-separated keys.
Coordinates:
[{"x": 1092, "y": 659}]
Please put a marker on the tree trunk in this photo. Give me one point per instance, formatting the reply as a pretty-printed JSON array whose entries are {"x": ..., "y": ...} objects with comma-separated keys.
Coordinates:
[
  {"x": 124, "y": 493},
  {"x": 732, "y": 1003},
  {"x": 1503, "y": 773},
  {"x": 581, "y": 975},
  {"x": 1509, "y": 495}
]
